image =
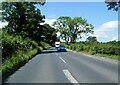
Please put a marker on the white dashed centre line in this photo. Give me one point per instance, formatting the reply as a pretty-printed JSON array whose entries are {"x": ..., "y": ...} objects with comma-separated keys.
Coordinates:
[
  {"x": 62, "y": 60},
  {"x": 68, "y": 74},
  {"x": 70, "y": 77}
]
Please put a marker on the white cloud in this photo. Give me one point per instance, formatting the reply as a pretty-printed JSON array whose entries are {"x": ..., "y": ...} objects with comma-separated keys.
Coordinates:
[
  {"x": 2, "y": 24},
  {"x": 104, "y": 30},
  {"x": 107, "y": 31},
  {"x": 50, "y": 21}
]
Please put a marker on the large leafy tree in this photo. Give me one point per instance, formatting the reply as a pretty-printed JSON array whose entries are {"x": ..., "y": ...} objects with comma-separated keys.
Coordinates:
[
  {"x": 48, "y": 34},
  {"x": 23, "y": 17},
  {"x": 71, "y": 29},
  {"x": 61, "y": 26}
]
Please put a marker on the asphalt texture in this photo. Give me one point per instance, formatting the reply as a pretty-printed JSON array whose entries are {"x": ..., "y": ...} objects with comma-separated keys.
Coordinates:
[{"x": 51, "y": 66}]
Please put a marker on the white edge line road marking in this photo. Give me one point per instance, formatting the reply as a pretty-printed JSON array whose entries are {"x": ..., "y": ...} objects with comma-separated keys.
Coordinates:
[
  {"x": 62, "y": 60},
  {"x": 70, "y": 77}
]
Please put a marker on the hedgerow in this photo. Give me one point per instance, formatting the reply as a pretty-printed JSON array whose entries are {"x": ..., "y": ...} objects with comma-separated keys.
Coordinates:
[
  {"x": 16, "y": 51},
  {"x": 110, "y": 48},
  {"x": 12, "y": 45}
]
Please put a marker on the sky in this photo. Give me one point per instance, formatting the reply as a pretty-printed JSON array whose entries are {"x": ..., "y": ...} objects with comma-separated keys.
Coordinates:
[{"x": 105, "y": 21}]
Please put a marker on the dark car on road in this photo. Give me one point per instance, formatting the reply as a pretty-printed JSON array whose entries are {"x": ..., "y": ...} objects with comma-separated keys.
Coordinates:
[{"x": 61, "y": 48}]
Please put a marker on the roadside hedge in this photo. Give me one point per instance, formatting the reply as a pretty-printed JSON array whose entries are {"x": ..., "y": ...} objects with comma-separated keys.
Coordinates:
[
  {"x": 16, "y": 51},
  {"x": 12, "y": 45},
  {"x": 110, "y": 48}
]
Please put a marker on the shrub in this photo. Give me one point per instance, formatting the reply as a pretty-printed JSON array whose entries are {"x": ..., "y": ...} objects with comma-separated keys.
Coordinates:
[
  {"x": 44, "y": 45},
  {"x": 110, "y": 48},
  {"x": 12, "y": 45},
  {"x": 40, "y": 49}
]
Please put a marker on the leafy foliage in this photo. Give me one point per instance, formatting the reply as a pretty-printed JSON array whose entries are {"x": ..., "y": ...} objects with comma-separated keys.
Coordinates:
[
  {"x": 11, "y": 45},
  {"x": 15, "y": 61},
  {"x": 48, "y": 34},
  {"x": 91, "y": 38},
  {"x": 113, "y": 5},
  {"x": 44, "y": 45},
  {"x": 24, "y": 20},
  {"x": 109, "y": 48},
  {"x": 24, "y": 36},
  {"x": 70, "y": 28},
  {"x": 24, "y": 30},
  {"x": 23, "y": 17}
]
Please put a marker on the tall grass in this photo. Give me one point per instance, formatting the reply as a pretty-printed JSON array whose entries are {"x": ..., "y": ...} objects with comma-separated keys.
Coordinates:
[
  {"x": 17, "y": 60},
  {"x": 116, "y": 57}
]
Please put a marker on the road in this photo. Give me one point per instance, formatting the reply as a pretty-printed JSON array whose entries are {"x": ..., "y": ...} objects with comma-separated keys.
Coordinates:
[{"x": 65, "y": 67}]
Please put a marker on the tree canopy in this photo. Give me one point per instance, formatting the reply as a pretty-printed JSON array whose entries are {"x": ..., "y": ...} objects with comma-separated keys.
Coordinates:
[
  {"x": 113, "y": 5},
  {"x": 91, "y": 38},
  {"x": 49, "y": 34},
  {"x": 71, "y": 29},
  {"x": 25, "y": 19}
]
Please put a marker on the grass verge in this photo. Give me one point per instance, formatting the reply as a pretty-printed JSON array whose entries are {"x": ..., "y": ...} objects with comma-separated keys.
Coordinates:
[
  {"x": 13, "y": 63},
  {"x": 116, "y": 57}
]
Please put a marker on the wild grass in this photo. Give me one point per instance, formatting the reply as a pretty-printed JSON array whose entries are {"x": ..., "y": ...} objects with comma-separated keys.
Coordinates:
[
  {"x": 116, "y": 57},
  {"x": 17, "y": 60}
]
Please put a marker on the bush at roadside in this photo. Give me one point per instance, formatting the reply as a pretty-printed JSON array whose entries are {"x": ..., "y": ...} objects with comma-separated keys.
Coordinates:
[
  {"x": 109, "y": 48},
  {"x": 12, "y": 45},
  {"x": 44, "y": 45}
]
